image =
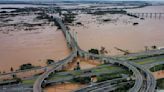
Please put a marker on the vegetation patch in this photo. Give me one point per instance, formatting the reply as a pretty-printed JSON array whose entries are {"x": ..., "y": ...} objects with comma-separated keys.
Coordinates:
[{"x": 160, "y": 83}]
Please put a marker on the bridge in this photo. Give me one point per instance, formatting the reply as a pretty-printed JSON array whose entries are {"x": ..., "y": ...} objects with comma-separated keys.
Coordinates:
[
  {"x": 139, "y": 72},
  {"x": 144, "y": 81},
  {"x": 148, "y": 15}
]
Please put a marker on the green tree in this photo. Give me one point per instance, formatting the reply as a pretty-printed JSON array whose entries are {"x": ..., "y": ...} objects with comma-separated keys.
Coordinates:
[
  {"x": 49, "y": 61},
  {"x": 78, "y": 66},
  {"x": 94, "y": 51},
  {"x": 18, "y": 80},
  {"x": 83, "y": 80},
  {"x": 26, "y": 66},
  {"x": 14, "y": 76},
  {"x": 154, "y": 47}
]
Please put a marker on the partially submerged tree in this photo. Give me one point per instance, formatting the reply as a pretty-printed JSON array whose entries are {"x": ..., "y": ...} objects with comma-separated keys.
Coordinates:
[
  {"x": 146, "y": 48},
  {"x": 154, "y": 47},
  {"x": 49, "y": 61},
  {"x": 11, "y": 69},
  {"x": 103, "y": 50},
  {"x": 26, "y": 66},
  {"x": 77, "y": 67},
  {"x": 93, "y": 51}
]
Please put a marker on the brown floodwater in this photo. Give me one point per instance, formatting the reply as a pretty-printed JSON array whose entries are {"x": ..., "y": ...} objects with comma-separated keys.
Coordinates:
[
  {"x": 66, "y": 87},
  {"x": 19, "y": 47},
  {"x": 36, "y": 46},
  {"x": 159, "y": 74},
  {"x": 119, "y": 32}
]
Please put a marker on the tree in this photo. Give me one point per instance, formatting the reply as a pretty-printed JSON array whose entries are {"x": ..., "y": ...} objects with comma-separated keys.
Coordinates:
[
  {"x": 154, "y": 47},
  {"x": 49, "y": 61},
  {"x": 14, "y": 76},
  {"x": 103, "y": 50},
  {"x": 26, "y": 66},
  {"x": 94, "y": 51},
  {"x": 11, "y": 69},
  {"x": 78, "y": 66},
  {"x": 18, "y": 80},
  {"x": 83, "y": 80},
  {"x": 146, "y": 48}
]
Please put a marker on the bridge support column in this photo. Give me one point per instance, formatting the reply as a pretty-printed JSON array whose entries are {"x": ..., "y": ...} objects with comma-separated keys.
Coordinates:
[
  {"x": 142, "y": 15},
  {"x": 146, "y": 15},
  {"x": 151, "y": 15},
  {"x": 160, "y": 15},
  {"x": 138, "y": 14},
  {"x": 86, "y": 56},
  {"x": 155, "y": 15}
]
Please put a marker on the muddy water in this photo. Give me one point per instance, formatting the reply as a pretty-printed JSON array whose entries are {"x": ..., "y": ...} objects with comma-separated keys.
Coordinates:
[
  {"x": 68, "y": 87},
  {"x": 119, "y": 32},
  {"x": 36, "y": 46},
  {"x": 159, "y": 74}
]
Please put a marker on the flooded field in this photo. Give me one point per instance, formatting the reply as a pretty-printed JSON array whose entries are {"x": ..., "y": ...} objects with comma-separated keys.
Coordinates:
[
  {"x": 47, "y": 43},
  {"x": 31, "y": 47},
  {"x": 26, "y": 39},
  {"x": 119, "y": 32}
]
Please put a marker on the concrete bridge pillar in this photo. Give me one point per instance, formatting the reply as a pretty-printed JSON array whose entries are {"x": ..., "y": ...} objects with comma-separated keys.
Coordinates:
[
  {"x": 138, "y": 14},
  {"x": 80, "y": 54},
  {"x": 92, "y": 58},
  {"x": 151, "y": 15},
  {"x": 146, "y": 14},
  {"x": 155, "y": 15},
  {"x": 105, "y": 61},
  {"x": 135, "y": 14},
  {"x": 43, "y": 84},
  {"x": 111, "y": 61},
  {"x": 85, "y": 56},
  {"x": 160, "y": 15},
  {"x": 142, "y": 15}
]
